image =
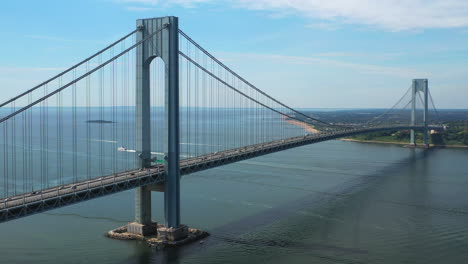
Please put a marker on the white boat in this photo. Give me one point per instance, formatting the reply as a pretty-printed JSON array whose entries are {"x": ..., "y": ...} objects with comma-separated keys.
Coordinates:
[{"x": 122, "y": 149}]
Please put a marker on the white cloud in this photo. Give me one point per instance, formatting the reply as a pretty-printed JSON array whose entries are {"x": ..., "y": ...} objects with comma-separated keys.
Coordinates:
[
  {"x": 388, "y": 14},
  {"x": 393, "y": 15},
  {"x": 323, "y": 26},
  {"x": 304, "y": 60}
]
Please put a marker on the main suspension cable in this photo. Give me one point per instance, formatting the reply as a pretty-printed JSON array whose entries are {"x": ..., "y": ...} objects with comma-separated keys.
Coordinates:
[
  {"x": 3, "y": 119},
  {"x": 251, "y": 85},
  {"x": 433, "y": 106},
  {"x": 393, "y": 107},
  {"x": 240, "y": 92},
  {"x": 69, "y": 69}
]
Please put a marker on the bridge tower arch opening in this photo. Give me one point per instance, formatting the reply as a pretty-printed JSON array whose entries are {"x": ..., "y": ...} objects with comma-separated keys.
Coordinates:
[
  {"x": 163, "y": 46},
  {"x": 420, "y": 86}
]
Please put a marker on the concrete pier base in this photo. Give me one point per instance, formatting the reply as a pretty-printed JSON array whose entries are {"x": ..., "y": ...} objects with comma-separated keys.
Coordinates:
[
  {"x": 164, "y": 237},
  {"x": 173, "y": 234},
  {"x": 142, "y": 230},
  {"x": 421, "y": 146}
]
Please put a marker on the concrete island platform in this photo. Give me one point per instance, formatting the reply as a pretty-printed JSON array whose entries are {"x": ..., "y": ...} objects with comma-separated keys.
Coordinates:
[{"x": 163, "y": 237}]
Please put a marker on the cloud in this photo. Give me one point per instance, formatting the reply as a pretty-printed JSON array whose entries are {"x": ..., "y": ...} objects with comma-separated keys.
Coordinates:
[
  {"x": 304, "y": 60},
  {"x": 323, "y": 26},
  {"x": 392, "y": 15},
  {"x": 367, "y": 55}
]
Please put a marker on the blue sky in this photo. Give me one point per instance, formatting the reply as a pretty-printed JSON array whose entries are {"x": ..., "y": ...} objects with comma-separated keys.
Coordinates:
[{"x": 307, "y": 53}]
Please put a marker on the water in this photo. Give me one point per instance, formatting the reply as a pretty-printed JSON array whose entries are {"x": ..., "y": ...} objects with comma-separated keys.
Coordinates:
[
  {"x": 332, "y": 202},
  {"x": 48, "y": 146}
]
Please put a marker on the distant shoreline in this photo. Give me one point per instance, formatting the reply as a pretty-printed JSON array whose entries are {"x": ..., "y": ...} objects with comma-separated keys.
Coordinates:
[
  {"x": 307, "y": 127},
  {"x": 311, "y": 129},
  {"x": 100, "y": 121}
]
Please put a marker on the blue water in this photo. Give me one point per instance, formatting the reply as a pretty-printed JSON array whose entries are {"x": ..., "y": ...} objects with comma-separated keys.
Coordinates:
[
  {"x": 49, "y": 146},
  {"x": 332, "y": 202}
]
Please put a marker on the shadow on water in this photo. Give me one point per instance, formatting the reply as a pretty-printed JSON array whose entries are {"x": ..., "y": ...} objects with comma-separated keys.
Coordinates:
[{"x": 231, "y": 233}]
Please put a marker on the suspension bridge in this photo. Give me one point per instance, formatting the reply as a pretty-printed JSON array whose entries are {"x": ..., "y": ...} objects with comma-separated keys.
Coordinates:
[{"x": 147, "y": 109}]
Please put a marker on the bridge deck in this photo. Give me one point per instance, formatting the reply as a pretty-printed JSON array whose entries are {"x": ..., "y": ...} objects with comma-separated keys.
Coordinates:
[{"x": 50, "y": 198}]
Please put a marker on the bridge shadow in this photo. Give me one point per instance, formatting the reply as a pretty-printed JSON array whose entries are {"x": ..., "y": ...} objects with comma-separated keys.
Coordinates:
[{"x": 232, "y": 233}]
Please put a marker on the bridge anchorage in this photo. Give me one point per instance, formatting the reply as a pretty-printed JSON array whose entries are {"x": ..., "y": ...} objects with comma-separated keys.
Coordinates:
[{"x": 173, "y": 109}]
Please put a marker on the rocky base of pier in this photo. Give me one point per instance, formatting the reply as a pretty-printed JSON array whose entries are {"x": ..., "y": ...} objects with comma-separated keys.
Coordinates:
[
  {"x": 420, "y": 146},
  {"x": 160, "y": 241}
]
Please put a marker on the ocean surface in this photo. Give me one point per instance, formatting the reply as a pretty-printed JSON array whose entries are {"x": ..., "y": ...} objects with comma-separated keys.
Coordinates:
[{"x": 331, "y": 202}]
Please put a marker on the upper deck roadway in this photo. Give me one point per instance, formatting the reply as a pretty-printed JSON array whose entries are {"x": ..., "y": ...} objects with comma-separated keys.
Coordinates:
[{"x": 55, "y": 197}]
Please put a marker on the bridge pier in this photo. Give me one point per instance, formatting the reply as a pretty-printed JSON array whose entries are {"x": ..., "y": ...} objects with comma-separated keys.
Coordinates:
[{"x": 143, "y": 224}]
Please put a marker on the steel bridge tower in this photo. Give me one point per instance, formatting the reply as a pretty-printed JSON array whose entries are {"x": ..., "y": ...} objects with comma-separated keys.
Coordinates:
[
  {"x": 419, "y": 85},
  {"x": 164, "y": 45}
]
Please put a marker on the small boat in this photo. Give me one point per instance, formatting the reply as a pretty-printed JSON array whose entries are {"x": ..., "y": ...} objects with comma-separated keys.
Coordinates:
[{"x": 122, "y": 149}]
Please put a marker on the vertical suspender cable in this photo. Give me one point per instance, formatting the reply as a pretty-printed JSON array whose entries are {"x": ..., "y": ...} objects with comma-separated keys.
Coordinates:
[
  {"x": 13, "y": 149},
  {"x": 189, "y": 104},
  {"x": 114, "y": 139},
  {"x": 57, "y": 143},
  {"x": 88, "y": 127},
  {"x": 74, "y": 130},
  {"x": 101, "y": 117},
  {"x": 5, "y": 159},
  {"x": 30, "y": 145},
  {"x": 24, "y": 151}
]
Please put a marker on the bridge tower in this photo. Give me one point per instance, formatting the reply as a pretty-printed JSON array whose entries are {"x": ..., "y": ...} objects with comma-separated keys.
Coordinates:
[
  {"x": 419, "y": 86},
  {"x": 165, "y": 45}
]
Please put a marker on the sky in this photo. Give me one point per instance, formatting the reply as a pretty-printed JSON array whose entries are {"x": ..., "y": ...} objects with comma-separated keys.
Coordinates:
[{"x": 306, "y": 53}]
